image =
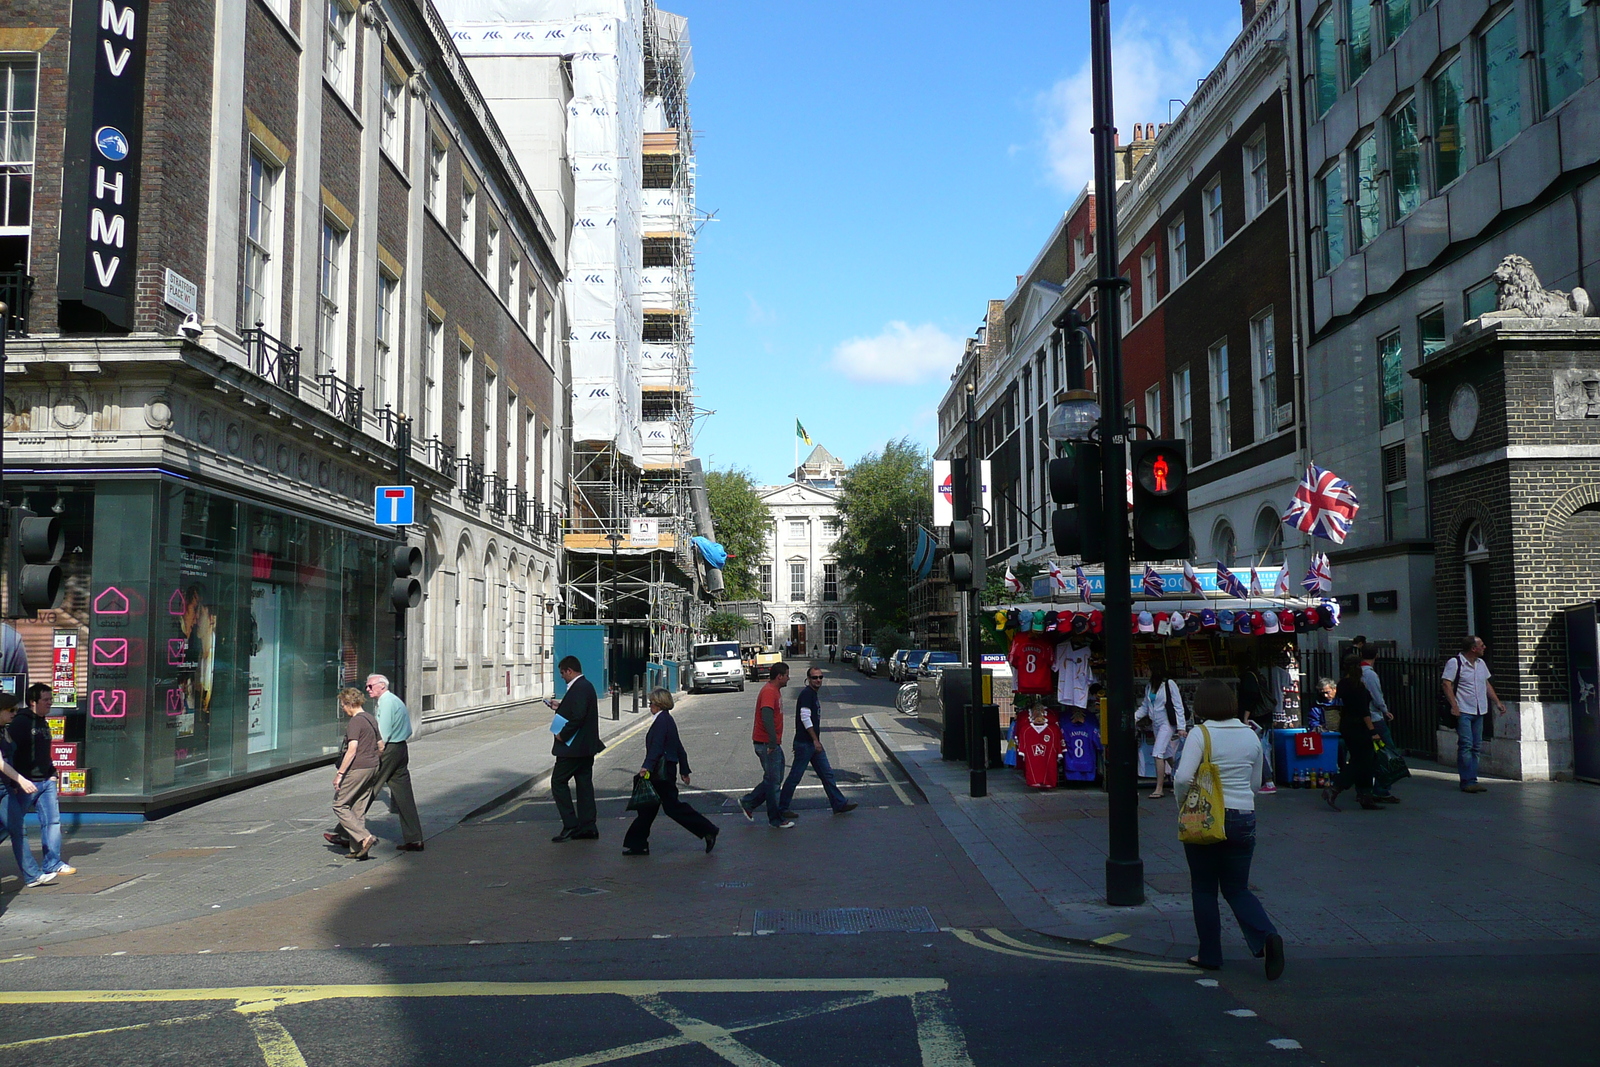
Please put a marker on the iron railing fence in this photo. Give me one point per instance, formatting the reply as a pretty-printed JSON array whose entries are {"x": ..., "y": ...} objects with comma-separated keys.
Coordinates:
[
  {"x": 1410, "y": 688},
  {"x": 16, "y": 290}
]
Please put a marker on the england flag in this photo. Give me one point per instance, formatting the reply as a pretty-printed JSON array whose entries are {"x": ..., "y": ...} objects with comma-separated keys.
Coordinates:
[
  {"x": 1191, "y": 580},
  {"x": 1013, "y": 583},
  {"x": 1255, "y": 583},
  {"x": 1057, "y": 582},
  {"x": 1282, "y": 587},
  {"x": 1319, "y": 576}
]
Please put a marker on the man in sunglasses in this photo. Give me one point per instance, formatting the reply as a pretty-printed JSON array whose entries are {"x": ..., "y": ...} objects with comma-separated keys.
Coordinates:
[{"x": 808, "y": 751}]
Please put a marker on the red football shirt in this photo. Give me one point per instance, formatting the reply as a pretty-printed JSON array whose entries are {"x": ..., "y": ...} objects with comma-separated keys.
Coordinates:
[
  {"x": 1031, "y": 657},
  {"x": 1040, "y": 749}
]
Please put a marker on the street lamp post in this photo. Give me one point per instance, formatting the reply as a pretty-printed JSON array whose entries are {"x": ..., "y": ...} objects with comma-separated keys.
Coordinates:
[
  {"x": 1124, "y": 868},
  {"x": 615, "y": 538}
]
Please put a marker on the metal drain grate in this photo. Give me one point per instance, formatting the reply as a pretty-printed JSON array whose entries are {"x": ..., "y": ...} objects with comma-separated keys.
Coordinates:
[
  {"x": 846, "y": 921},
  {"x": 584, "y": 891},
  {"x": 734, "y": 885}
]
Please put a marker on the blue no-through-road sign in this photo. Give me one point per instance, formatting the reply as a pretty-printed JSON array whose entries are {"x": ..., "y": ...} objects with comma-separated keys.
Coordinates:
[{"x": 393, "y": 505}]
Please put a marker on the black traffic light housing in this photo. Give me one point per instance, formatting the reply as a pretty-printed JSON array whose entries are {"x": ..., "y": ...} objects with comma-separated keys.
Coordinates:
[
  {"x": 406, "y": 589},
  {"x": 1160, "y": 499},
  {"x": 969, "y": 562},
  {"x": 1075, "y": 480},
  {"x": 37, "y": 543}
]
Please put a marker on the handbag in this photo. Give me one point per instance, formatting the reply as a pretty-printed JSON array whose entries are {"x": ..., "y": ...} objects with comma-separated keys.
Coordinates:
[
  {"x": 1200, "y": 814},
  {"x": 644, "y": 794},
  {"x": 1389, "y": 766}
]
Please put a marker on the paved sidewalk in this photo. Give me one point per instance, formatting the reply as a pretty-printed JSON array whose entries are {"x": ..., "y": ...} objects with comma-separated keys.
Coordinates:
[
  {"x": 1515, "y": 869},
  {"x": 265, "y": 843}
]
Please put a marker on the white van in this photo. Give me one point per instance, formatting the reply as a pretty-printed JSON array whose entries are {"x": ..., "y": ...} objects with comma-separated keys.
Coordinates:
[{"x": 716, "y": 664}]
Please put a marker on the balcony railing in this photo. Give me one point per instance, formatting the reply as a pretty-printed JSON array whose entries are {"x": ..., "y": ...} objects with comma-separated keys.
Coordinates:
[
  {"x": 470, "y": 480},
  {"x": 343, "y": 399},
  {"x": 272, "y": 359},
  {"x": 16, "y": 289},
  {"x": 496, "y": 492}
]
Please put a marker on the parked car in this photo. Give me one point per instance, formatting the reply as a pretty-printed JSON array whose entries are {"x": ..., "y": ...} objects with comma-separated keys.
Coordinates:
[
  {"x": 716, "y": 664},
  {"x": 849, "y": 653},
  {"x": 867, "y": 660},
  {"x": 903, "y": 664},
  {"x": 932, "y": 661}
]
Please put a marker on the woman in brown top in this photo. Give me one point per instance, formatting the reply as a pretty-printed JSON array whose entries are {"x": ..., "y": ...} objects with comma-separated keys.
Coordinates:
[{"x": 352, "y": 782}]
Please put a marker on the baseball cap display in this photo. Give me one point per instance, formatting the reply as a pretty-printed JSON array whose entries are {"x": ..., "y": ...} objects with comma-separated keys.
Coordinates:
[
  {"x": 1208, "y": 619},
  {"x": 1286, "y": 621},
  {"x": 1051, "y": 618},
  {"x": 999, "y": 620},
  {"x": 1269, "y": 622},
  {"x": 1178, "y": 621},
  {"x": 1080, "y": 623},
  {"x": 1097, "y": 621},
  {"x": 1014, "y": 619},
  {"x": 1225, "y": 621},
  {"x": 1146, "y": 623},
  {"x": 1242, "y": 623},
  {"x": 1163, "y": 623}
]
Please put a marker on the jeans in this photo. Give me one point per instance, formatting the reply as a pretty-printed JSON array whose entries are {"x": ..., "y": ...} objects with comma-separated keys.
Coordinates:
[
  {"x": 47, "y": 805},
  {"x": 767, "y": 792},
  {"x": 1469, "y": 742},
  {"x": 808, "y": 755},
  {"x": 1382, "y": 726},
  {"x": 1226, "y": 865}
]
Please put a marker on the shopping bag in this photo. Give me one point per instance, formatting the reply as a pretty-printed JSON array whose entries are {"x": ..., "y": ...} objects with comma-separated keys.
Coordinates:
[
  {"x": 1200, "y": 812},
  {"x": 1389, "y": 766},
  {"x": 644, "y": 794},
  {"x": 1308, "y": 744}
]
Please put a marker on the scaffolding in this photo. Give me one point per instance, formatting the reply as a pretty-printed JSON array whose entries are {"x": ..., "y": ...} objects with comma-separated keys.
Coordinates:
[{"x": 630, "y": 563}]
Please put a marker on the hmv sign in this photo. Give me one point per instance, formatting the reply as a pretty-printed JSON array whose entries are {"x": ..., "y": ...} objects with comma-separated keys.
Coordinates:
[{"x": 100, "y": 211}]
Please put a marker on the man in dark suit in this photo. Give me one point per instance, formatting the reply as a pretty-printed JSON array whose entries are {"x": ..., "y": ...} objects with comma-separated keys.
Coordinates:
[{"x": 576, "y": 746}]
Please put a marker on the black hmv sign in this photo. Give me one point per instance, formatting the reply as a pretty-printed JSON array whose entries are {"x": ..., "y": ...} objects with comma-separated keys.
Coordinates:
[{"x": 105, "y": 122}]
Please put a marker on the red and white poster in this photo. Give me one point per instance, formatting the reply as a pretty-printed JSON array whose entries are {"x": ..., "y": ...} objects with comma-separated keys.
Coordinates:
[{"x": 64, "y": 670}]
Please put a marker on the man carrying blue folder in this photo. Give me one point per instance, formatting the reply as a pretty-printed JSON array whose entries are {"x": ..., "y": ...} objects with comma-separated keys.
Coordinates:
[{"x": 577, "y": 744}]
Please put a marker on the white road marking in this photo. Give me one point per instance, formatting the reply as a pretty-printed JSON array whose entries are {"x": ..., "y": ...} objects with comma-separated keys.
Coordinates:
[
  {"x": 1284, "y": 1043},
  {"x": 1242, "y": 1013}
]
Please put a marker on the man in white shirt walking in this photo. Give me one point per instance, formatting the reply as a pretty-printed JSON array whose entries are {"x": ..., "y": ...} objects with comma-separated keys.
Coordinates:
[{"x": 1466, "y": 687}]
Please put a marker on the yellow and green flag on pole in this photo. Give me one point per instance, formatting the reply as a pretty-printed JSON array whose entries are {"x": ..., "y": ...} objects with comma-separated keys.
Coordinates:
[{"x": 800, "y": 432}]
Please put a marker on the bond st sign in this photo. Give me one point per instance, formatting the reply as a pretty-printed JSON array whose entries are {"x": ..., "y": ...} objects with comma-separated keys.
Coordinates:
[{"x": 100, "y": 209}]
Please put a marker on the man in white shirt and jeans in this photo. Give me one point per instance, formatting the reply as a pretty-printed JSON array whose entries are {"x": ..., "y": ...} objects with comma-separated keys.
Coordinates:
[{"x": 1466, "y": 687}]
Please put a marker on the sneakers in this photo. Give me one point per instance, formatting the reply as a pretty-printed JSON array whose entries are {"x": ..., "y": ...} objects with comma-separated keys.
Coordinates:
[
  {"x": 746, "y": 812},
  {"x": 1474, "y": 788},
  {"x": 847, "y": 807},
  {"x": 1270, "y": 787},
  {"x": 43, "y": 879},
  {"x": 784, "y": 825},
  {"x": 65, "y": 868}
]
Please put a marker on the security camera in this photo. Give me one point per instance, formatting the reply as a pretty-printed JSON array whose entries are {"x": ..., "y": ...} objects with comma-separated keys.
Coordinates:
[{"x": 190, "y": 327}]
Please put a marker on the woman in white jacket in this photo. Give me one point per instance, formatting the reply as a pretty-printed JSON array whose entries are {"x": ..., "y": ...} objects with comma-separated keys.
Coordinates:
[
  {"x": 1163, "y": 708},
  {"x": 1236, "y": 753}
]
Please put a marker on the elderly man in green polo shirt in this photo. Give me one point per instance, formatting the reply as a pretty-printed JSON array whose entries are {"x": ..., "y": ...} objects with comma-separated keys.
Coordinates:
[{"x": 394, "y": 763}]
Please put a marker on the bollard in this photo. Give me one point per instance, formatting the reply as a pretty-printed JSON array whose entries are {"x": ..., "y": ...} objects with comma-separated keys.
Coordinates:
[
  {"x": 638, "y": 692},
  {"x": 616, "y": 702}
]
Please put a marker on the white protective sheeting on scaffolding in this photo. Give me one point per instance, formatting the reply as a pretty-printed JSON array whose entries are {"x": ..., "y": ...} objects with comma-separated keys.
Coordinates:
[{"x": 604, "y": 137}]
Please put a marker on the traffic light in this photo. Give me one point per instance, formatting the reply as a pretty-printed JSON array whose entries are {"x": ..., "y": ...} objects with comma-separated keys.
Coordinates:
[
  {"x": 406, "y": 589},
  {"x": 1160, "y": 500},
  {"x": 1078, "y": 529},
  {"x": 969, "y": 561},
  {"x": 37, "y": 543}
]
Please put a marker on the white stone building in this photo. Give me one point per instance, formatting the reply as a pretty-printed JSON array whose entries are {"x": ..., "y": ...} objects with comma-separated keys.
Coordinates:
[{"x": 803, "y": 596}]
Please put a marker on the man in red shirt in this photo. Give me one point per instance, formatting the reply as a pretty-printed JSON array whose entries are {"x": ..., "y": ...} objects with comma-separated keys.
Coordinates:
[{"x": 767, "y": 733}]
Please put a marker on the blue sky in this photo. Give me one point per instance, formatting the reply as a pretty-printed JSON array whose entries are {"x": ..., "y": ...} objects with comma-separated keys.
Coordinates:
[{"x": 879, "y": 171}]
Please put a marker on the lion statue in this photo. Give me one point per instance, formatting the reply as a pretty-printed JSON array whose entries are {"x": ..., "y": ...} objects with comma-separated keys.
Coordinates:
[{"x": 1519, "y": 292}]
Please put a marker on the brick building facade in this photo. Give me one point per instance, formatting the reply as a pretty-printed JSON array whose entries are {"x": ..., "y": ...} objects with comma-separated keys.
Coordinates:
[{"x": 336, "y": 267}]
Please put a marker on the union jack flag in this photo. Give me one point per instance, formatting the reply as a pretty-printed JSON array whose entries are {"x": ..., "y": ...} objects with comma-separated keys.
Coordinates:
[
  {"x": 1324, "y": 505},
  {"x": 1083, "y": 585},
  {"x": 1056, "y": 580},
  {"x": 1191, "y": 580},
  {"x": 1013, "y": 583},
  {"x": 1255, "y": 582},
  {"x": 1229, "y": 582},
  {"x": 1319, "y": 576},
  {"x": 1282, "y": 587},
  {"x": 1152, "y": 581}
]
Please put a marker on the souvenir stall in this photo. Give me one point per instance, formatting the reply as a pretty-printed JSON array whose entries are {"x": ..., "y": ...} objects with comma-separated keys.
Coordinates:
[{"x": 1186, "y": 627}]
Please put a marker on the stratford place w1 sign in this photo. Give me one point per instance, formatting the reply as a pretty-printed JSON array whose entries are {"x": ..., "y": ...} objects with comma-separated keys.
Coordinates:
[{"x": 100, "y": 194}]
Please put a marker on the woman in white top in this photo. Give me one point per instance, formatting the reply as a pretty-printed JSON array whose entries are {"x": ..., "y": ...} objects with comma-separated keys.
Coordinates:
[
  {"x": 1236, "y": 753},
  {"x": 1163, "y": 708}
]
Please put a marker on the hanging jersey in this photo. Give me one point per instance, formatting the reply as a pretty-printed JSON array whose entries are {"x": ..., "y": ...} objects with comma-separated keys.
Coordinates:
[
  {"x": 1040, "y": 748},
  {"x": 1032, "y": 657},
  {"x": 1072, "y": 675},
  {"x": 1080, "y": 749}
]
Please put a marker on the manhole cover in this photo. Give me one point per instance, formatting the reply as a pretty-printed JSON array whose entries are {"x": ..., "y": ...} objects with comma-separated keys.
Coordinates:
[
  {"x": 583, "y": 891},
  {"x": 734, "y": 885},
  {"x": 846, "y": 921}
]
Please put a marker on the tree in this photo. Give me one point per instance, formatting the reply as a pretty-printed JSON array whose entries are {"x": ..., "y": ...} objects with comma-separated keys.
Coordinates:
[
  {"x": 881, "y": 498},
  {"x": 741, "y": 521},
  {"x": 725, "y": 625}
]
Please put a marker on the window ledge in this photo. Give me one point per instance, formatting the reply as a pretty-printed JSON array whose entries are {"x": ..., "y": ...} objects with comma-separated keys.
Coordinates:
[
  {"x": 283, "y": 24},
  {"x": 338, "y": 94},
  {"x": 399, "y": 168}
]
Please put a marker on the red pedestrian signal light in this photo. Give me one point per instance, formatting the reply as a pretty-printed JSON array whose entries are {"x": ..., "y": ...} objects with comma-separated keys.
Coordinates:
[
  {"x": 1158, "y": 472},
  {"x": 1160, "y": 500}
]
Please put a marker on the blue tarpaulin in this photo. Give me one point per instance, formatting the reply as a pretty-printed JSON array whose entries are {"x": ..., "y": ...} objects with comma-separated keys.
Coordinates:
[{"x": 714, "y": 554}]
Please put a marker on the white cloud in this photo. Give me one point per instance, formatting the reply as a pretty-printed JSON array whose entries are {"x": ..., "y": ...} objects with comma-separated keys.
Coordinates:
[
  {"x": 900, "y": 355},
  {"x": 1151, "y": 64}
]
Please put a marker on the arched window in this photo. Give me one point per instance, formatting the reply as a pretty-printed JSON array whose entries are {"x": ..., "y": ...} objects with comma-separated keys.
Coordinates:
[
  {"x": 830, "y": 630},
  {"x": 1269, "y": 535},
  {"x": 485, "y": 604},
  {"x": 767, "y": 624},
  {"x": 1223, "y": 544},
  {"x": 458, "y": 609},
  {"x": 1475, "y": 570}
]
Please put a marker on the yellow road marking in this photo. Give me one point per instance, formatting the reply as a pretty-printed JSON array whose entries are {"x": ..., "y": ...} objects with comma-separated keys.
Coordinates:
[
  {"x": 308, "y": 994},
  {"x": 1111, "y": 939},
  {"x": 109, "y": 1030},
  {"x": 860, "y": 723},
  {"x": 16, "y": 959},
  {"x": 715, "y": 1038},
  {"x": 941, "y": 1041},
  {"x": 1090, "y": 959},
  {"x": 277, "y": 1047},
  {"x": 544, "y": 786}
]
